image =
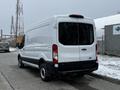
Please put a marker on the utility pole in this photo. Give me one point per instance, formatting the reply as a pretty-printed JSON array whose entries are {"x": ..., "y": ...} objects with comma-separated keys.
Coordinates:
[
  {"x": 12, "y": 31},
  {"x": 19, "y": 18},
  {"x": 19, "y": 22},
  {"x": 17, "y": 15}
]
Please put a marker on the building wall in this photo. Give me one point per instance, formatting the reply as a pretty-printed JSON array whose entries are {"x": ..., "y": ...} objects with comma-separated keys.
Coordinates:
[
  {"x": 112, "y": 42},
  {"x": 101, "y": 48}
]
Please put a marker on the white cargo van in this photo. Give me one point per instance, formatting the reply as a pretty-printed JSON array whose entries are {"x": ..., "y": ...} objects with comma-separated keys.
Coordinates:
[{"x": 60, "y": 44}]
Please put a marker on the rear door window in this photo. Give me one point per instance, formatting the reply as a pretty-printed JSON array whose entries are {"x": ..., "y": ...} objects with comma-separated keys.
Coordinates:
[{"x": 71, "y": 33}]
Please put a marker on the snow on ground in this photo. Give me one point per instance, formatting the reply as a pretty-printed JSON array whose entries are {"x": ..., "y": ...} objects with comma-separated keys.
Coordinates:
[
  {"x": 12, "y": 49},
  {"x": 109, "y": 66}
]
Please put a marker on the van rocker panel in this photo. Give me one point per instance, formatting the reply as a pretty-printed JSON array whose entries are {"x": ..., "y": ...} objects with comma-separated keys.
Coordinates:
[{"x": 68, "y": 66}]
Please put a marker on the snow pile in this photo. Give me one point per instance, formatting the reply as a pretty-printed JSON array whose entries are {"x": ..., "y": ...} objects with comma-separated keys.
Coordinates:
[
  {"x": 109, "y": 66},
  {"x": 12, "y": 49}
]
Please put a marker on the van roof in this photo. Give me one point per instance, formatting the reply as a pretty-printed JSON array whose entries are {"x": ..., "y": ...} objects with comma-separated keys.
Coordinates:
[
  {"x": 68, "y": 15},
  {"x": 57, "y": 16}
]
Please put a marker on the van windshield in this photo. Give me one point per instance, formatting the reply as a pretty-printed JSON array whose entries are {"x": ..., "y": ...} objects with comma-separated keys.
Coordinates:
[{"x": 71, "y": 33}]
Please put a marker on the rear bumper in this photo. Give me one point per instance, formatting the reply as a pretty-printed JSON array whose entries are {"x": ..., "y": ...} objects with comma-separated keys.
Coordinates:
[{"x": 80, "y": 66}]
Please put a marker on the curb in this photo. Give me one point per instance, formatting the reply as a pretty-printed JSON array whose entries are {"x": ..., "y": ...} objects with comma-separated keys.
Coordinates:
[
  {"x": 4, "y": 84},
  {"x": 105, "y": 78}
]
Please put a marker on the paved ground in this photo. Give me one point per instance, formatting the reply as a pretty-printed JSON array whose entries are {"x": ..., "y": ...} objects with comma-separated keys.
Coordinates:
[
  {"x": 28, "y": 78},
  {"x": 4, "y": 85}
]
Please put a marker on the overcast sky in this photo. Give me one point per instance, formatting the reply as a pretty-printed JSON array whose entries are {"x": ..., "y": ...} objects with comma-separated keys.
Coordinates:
[{"x": 36, "y": 10}]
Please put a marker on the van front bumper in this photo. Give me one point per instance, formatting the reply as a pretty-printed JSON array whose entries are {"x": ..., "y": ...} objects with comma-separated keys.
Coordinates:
[{"x": 80, "y": 66}]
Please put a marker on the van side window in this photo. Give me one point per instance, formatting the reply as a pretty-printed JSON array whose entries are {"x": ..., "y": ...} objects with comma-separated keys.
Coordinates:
[{"x": 71, "y": 33}]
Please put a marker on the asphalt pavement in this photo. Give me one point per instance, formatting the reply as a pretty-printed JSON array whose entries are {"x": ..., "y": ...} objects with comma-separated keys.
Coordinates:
[
  {"x": 14, "y": 78},
  {"x": 4, "y": 85}
]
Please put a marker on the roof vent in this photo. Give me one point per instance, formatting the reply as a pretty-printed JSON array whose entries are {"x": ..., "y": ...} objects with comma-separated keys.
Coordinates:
[{"x": 76, "y": 16}]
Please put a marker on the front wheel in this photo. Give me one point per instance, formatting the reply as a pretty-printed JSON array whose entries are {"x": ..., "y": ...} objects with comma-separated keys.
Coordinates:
[
  {"x": 20, "y": 63},
  {"x": 45, "y": 72}
]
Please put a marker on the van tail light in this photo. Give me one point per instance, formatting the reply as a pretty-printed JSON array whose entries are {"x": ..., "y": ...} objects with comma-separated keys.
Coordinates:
[
  {"x": 96, "y": 53},
  {"x": 55, "y": 53}
]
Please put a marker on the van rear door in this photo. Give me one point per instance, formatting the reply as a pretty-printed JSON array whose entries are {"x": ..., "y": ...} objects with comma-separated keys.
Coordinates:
[
  {"x": 68, "y": 40},
  {"x": 86, "y": 42},
  {"x": 75, "y": 42}
]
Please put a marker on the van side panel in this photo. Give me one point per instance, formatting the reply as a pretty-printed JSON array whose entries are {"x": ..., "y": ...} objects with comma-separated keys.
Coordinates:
[
  {"x": 39, "y": 41},
  {"x": 74, "y": 58}
]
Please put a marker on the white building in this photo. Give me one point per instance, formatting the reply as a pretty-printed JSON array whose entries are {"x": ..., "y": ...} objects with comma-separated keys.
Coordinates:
[{"x": 102, "y": 22}]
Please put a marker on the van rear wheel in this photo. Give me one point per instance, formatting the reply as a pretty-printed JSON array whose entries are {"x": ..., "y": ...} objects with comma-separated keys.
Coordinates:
[{"x": 45, "y": 72}]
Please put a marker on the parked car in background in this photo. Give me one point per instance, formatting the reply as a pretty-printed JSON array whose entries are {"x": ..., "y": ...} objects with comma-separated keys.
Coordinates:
[{"x": 4, "y": 46}]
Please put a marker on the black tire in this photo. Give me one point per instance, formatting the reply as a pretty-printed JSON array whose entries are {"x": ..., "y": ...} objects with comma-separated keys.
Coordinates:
[
  {"x": 20, "y": 63},
  {"x": 45, "y": 73},
  {"x": 8, "y": 51}
]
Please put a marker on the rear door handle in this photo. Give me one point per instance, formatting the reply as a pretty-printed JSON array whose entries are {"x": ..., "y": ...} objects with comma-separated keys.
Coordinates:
[{"x": 84, "y": 49}]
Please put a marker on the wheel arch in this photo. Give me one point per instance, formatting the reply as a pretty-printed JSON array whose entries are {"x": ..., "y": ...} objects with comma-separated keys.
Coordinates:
[{"x": 41, "y": 61}]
